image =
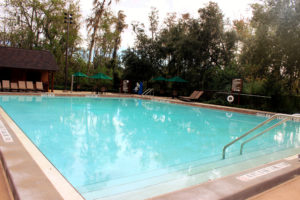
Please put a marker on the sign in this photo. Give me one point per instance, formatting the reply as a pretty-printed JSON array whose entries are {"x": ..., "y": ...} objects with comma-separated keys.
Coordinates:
[
  {"x": 261, "y": 172},
  {"x": 237, "y": 85},
  {"x": 5, "y": 134}
]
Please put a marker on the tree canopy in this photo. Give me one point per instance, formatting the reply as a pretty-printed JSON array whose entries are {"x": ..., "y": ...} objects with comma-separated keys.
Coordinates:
[{"x": 207, "y": 50}]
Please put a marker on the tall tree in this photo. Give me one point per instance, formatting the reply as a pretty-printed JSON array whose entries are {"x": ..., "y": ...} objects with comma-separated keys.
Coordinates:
[
  {"x": 120, "y": 26},
  {"x": 271, "y": 54},
  {"x": 153, "y": 20},
  {"x": 94, "y": 22}
]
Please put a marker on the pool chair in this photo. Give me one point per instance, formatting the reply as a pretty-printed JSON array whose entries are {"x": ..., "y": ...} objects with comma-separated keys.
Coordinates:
[
  {"x": 5, "y": 85},
  {"x": 193, "y": 97},
  {"x": 14, "y": 86},
  {"x": 22, "y": 85},
  {"x": 29, "y": 85},
  {"x": 102, "y": 89},
  {"x": 39, "y": 86}
]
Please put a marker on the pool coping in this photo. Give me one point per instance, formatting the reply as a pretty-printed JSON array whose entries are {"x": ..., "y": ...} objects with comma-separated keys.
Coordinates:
[
  {"x": 30, "y": 174},
  {"x": 64, "y": 190}
]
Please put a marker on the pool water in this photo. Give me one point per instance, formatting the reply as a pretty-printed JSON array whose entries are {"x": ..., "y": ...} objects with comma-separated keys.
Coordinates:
[{"x": 109, "y": 146}]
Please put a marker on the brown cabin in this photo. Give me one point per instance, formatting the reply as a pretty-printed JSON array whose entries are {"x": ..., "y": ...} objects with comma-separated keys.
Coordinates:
[{"x": 27, "y": 65}]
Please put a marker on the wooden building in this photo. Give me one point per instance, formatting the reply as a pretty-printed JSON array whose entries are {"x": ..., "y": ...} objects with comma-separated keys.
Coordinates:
[{"x": 27, "y": 65}]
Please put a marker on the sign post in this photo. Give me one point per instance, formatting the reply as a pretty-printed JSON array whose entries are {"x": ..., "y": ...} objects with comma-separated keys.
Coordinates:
[{"x": 237, "y": 86}]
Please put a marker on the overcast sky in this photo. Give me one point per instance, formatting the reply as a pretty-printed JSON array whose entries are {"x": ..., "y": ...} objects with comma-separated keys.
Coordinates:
[{"x": 138, "y": 10}]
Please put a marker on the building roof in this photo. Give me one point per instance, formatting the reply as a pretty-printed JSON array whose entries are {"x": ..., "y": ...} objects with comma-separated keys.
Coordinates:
[{"x": 27, "y": 59}]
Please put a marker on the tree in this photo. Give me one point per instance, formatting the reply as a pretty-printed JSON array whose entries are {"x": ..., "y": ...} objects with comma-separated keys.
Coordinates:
[
  {"x": 187, "y": 47},
  {"x": 33, "y": 24},
  {"x": 94, "y": 22},
  {"x": 153, "y": 19},
  {"x": 120, "y": 26},
  {"x": 137, "y": 68},
  {"x": 270, "y": 54}
]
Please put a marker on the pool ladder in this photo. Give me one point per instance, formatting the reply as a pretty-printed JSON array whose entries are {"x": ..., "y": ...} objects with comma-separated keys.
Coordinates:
[
  {"x": 284, "y": 118},
  {"x": 149, "y": 91}
]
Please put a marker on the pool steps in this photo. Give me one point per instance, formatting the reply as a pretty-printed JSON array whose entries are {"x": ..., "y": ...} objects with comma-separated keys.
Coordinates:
[
  {"x": 193, "y": 166},
  {"x": 176, "y": 180}
]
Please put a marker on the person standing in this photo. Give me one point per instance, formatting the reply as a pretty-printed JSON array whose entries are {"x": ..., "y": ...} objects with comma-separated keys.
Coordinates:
[{"x": 141, "y": 88}]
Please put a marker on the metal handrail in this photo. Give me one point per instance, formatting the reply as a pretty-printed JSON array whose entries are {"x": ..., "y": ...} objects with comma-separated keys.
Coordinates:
[
  {"x": 261, "y": 133},
  {"x": 149, "y": 90},
  {"x": 258, "y": 126}
]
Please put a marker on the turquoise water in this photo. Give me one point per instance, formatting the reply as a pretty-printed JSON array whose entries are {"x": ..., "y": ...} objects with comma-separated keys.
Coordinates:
[{"x": 97, "y": 143}]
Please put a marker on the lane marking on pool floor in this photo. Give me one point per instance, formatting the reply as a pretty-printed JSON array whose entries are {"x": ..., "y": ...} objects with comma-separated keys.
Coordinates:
[
  {"x": 264, "y": 171},
  {"x": 5, "y": 134}
]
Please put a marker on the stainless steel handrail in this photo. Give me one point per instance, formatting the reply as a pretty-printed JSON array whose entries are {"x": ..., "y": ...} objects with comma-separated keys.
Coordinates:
[
  {"x": 258, "y": 126},
  {"x": 149, "y": 90},
  {"x": 261, "y": 133}
]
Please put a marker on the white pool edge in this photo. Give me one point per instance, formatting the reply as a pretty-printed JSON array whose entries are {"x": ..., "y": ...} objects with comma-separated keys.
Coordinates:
[{"x": 63, "y": 187}]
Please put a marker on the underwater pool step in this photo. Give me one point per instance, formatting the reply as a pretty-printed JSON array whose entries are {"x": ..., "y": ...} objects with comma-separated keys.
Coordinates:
[
  {"x": 149, "y": 174},
  {"x": 190, "y": 168},
  {"x": 181, "y": 179}
]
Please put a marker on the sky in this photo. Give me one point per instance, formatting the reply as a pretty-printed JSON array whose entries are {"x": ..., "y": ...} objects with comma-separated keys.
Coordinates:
[{"x": 138, "y": 10}]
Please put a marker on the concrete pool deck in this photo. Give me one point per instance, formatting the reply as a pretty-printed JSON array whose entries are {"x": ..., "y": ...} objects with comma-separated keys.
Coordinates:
[
  {"x": 33, "y": 191},
  {"x": 5, "y": 191},
  {"x": 288, "y": 190}
]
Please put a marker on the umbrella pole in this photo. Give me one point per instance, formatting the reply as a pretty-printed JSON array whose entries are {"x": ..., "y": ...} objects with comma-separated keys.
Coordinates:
[{"x": 72, "y": 83}]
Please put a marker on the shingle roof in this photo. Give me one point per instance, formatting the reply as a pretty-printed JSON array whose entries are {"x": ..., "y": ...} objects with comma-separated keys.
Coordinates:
[{"x": 27, "y": 59}]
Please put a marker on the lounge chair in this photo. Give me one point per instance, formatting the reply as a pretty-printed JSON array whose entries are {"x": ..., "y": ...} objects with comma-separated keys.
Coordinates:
[
  {"x": 39, "y": 86},
  {"x": 29, "y": 85},
  {"x": 102, "y": 89},
  {"x": 0, "y": 86},
  {"x": 14, "y": 86},
  {"x": 5, "y": 85},
  {"x": 22, "y": 85},
  {"x": 194, "y": 96}
]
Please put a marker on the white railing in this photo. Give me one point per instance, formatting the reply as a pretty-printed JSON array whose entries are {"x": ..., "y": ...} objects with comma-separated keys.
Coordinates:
[
  {"x": 149, "y": 91},
  {"x": 284, "y": 118}
]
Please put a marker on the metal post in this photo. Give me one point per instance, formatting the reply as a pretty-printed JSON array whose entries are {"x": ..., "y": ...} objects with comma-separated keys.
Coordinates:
[
  {"x": 72, "y": 81},
  {"x": 68, "y": 20},
  {"x": 52, "y": 81},
  {"x": 66, "y": 68}
]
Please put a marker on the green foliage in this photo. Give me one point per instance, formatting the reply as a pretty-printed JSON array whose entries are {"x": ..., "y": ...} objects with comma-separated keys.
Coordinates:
[
  {"x": 271, "y": 53},
  {"x": 195, "y": 49},
  {"x": 254, "y": 87},
  {"x": 99, "y": 25},
  {"x": 220, "y": 79},
  {"x": 137, "y": 68},
  {"x": 40, "y": 25}
]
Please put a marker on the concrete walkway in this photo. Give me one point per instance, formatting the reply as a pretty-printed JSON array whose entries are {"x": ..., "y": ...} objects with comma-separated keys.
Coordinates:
[
  {"x": 5, "y": 193},
  {"x": 289, "y": 190}
]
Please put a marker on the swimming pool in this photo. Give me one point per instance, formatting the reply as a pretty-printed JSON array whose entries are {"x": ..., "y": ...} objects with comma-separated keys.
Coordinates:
[{"x": 108, "y": 146}]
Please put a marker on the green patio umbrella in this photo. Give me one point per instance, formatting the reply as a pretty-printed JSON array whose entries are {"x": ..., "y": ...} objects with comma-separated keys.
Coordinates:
[
  {"x": 77, "y": 74},
  {"x": 161, "y": 87},
  {"x": 100, "y": 76},
  {"x": 177, "y": 79},
  {"x": 159, "y": 78}
]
